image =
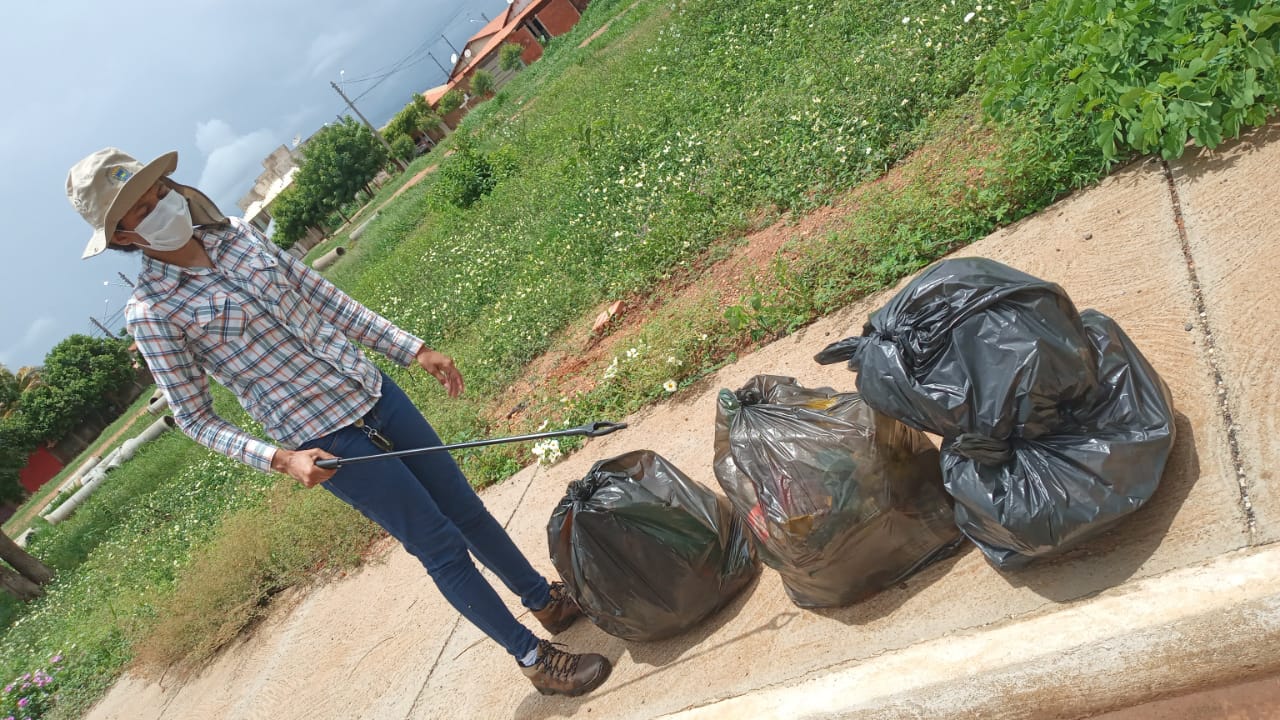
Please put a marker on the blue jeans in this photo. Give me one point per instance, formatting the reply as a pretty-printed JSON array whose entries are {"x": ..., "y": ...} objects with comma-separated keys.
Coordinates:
[{"x": 427, "y": 504}]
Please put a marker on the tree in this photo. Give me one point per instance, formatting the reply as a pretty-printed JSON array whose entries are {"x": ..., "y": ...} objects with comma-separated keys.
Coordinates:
[
  {"x": 16, "y": 443},
  {"x": 92, "y": 372},
  {"x": 18, "y": 586},
  {"x": 51, "y": 412},
  {"x": 482, "y": 83},
  {"x": 509, "y": 56},
  {"x": 337, "y": 163},
  {"x": 13, "y": 385},
  {"x": 22, "y": 561},
  {"x": 451, "y": 101},
  {"x": 404, "y": 147},
  {"x": 293, "y": 216}
]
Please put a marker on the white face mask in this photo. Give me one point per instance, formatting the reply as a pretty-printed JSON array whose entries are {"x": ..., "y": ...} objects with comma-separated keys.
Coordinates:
[{"x": 168, "y": 226}]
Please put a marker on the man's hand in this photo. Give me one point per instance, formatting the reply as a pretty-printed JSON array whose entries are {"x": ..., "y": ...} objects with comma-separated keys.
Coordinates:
[
  {"x": 301, "y": 465},
  {"x": 441, "y": 368}
]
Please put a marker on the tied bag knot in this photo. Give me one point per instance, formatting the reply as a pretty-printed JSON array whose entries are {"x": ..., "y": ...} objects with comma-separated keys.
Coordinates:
[
  {"x": 584, "y": 489},
  {"x": 982, "y": 449}
]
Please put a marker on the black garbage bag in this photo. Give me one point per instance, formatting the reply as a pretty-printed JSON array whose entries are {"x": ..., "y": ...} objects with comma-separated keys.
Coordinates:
[
  {"x": 842, "y": 501},
  {"x": 646, "y": 552},
  {"x": 1054, "y": 425}
]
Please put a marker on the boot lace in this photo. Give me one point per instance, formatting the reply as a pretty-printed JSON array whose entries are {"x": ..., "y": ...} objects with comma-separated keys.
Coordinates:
[{"x": 556, "y": 662}]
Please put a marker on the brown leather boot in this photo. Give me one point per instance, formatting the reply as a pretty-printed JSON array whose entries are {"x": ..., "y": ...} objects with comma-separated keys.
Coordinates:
[
  {"x": 560, "y": 613},
  {"x": 561, "y": 673}
]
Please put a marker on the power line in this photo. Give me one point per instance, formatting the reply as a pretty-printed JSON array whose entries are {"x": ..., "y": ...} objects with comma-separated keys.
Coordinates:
[{"x": 417, "y": 55}]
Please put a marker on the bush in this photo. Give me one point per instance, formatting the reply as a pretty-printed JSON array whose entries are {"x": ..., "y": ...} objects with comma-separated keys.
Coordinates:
[
  {"x": 465, "y": 177},
  {"x": 482, "y": 83},
  {"x": 31, "y": 694},
  {"x": 1145, "y": 75},
  {"x": 451, "y": 101},
  {"x": 403, "y": 147},
  {"x": 509, "y": 56}
]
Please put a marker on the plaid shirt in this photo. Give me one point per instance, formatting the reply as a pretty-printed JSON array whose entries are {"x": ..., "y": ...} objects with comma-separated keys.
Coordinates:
[{"x": 271, "y": 330}]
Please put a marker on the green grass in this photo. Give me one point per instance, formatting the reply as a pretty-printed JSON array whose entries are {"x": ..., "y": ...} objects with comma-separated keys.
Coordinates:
[
  {"x": 622, "y": 165},
  {"x": 15, "y": 525},
  {"x": 366, "y": 210}
]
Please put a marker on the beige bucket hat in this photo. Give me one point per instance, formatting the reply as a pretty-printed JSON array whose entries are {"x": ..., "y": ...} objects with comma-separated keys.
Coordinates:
[{"x": 103, "y": 186}]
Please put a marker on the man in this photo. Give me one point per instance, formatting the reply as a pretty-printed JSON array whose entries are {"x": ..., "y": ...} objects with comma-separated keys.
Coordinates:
[{"x": 217, "y": 299}]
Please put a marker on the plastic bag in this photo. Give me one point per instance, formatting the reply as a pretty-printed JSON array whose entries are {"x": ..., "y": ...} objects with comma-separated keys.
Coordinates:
[
  {"x": 1054, "y": 425},
  {"x": 842, "y": 501},
  {"x": 646, "y": 552}
]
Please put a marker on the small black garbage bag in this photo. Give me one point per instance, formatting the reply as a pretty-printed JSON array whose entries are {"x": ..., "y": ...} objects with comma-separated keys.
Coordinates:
[
  {"x": 843, "y": 502},
  {"x": 646, "y": 552},
  {"x": 1054, "y": 425}
]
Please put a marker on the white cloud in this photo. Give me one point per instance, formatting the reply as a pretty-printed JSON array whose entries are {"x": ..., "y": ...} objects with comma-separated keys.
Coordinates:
[
  {"x": 233, "y": 161},
  {"x": 37, "y": 332}
]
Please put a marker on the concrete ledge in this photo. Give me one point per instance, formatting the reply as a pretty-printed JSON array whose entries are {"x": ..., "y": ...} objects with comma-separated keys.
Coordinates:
[{"x": 1185, "y": 630}]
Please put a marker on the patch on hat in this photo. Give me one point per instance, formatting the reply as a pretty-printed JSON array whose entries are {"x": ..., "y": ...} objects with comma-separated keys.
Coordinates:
[{"x": 120, "y": 174}]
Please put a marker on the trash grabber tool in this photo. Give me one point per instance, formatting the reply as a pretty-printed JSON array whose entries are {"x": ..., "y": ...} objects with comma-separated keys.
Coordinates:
[{"x": 595, "y": 429}]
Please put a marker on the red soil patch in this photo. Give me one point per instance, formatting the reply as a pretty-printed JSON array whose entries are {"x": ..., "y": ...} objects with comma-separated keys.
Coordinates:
[{"x": 578, "y": 357}]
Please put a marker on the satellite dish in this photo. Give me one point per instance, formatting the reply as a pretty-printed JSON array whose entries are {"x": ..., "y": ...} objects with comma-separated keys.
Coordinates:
[
  {"x": 453, "y": 58},
  {"x": 297, "y": 139},
  {"x": 466, "y": 53}
]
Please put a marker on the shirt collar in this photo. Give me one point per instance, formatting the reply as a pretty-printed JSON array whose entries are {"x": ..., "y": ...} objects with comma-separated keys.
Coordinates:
[{"x": 162, "y": 277}]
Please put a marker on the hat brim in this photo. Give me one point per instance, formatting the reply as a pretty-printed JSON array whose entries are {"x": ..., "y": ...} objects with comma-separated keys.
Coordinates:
[{"x": 134, "y": 188}]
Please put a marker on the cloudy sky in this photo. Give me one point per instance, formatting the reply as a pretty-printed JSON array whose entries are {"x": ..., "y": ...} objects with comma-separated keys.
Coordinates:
[{"x": 223, "y": 83}]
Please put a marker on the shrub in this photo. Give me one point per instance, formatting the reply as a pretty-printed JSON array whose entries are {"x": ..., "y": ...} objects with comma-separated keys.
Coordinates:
[
  {"x": 482, "y": 82},
  {"x": 509, "y": 56},
  {"x": 1144, "y": 75},
  {"x": 451, "y": 101},
  {"x": 465, "y": 177},
  {"x": 30, "y": 695},
  {"x": 403, "y": 147}
]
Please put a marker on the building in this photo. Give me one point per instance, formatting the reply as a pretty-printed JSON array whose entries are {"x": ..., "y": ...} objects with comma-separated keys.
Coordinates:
[
  {"x": 528, "y": 23},
  {"x": 279, "y": 164}
]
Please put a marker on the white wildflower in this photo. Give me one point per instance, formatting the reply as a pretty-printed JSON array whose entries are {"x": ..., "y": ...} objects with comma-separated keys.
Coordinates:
[
  {"x": 669, "y": 386},
  {"x": 548, "y": 451}
]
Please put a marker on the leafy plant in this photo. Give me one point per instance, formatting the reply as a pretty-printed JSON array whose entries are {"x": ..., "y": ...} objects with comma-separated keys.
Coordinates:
[
  {"x": 465, "y": 177},
  {"x": 482, "y": 82},
  {"x": 403, "y": 147},
  {"x": 1145, "y": 75},
  {"x": 451, "y": 101},
  {"x": 509, "y": 56},
  {"x": 30, "y": 695}
]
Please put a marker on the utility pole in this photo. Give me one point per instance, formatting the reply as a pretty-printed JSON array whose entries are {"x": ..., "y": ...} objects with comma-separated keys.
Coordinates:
[
  {"x": 390, "y": 153},
  {"x": 125, "y": 278},
  {"x": 437, "y": 62},
  {"x": 101, "y": 327},
  {"x": 446, "y": 41}
]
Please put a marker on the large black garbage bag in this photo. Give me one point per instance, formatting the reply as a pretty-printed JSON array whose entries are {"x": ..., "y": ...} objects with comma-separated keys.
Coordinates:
[
  {"x": 842, "y": 501},
  {"x": 1054, "y": 425},
  {"x": 646, "y": 552}
]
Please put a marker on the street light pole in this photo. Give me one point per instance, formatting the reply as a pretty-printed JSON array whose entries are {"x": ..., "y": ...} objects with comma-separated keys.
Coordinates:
[{"x": 390, "y": 153}]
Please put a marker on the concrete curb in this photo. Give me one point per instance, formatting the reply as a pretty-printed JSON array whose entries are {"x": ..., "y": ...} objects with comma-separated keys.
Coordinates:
[{"x": 1185, "y": 630}]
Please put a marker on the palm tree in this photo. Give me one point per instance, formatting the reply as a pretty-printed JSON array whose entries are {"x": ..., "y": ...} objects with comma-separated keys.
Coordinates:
[
  {"x": 9, "y": 392},
  {"x": 13, "y": 385}
]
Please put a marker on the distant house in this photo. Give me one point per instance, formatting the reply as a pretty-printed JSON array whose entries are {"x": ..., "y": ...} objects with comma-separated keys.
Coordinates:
[
  {"x": 528, "y": 23},
  {"x": 279, "y": 164}
]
